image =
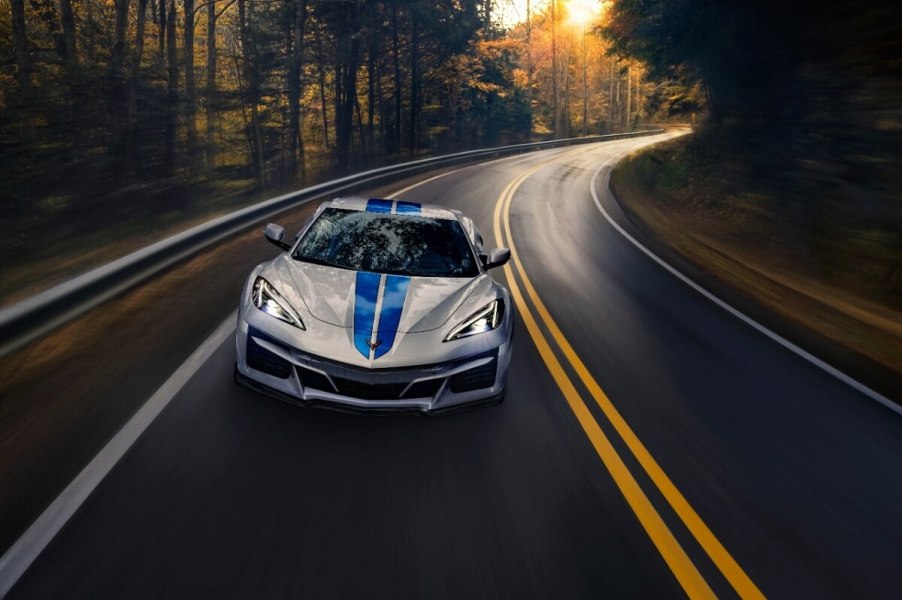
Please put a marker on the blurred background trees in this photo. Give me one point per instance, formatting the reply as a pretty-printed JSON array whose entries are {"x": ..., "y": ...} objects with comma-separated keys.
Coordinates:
[
  {"x": 123, "y": 110},
  {"x": 95, "y": 94}
]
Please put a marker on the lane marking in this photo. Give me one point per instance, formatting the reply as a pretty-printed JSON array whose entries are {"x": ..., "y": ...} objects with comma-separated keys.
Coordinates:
[
  {"x": 551, "y": 151},
  {"x": 30, "y": 544},
  {"x": 697, "y": 527},
  {"x": 19, "y": 557},
  {"x": 851, "y": 382},
  {"x": 679, "y": 563},
  {"x": 397, "y": 193}
]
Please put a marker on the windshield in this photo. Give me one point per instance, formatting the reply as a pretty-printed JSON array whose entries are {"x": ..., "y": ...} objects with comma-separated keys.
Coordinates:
[{"x": 386, "y": 243}]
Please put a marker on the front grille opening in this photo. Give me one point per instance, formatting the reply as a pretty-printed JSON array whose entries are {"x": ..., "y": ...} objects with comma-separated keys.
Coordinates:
[
  {"x": 474, "y": 379},
  {"x": 261, "y": 359},
  {"x": 313, "y": 379},
  {"x": 423, "y": 389},
  {"x": 369, "y": 391}
]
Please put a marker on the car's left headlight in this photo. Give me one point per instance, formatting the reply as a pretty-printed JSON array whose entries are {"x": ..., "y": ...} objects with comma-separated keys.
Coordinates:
[
  {"x": 485, "y": 319},
  {"x": 266, "y": 298}
]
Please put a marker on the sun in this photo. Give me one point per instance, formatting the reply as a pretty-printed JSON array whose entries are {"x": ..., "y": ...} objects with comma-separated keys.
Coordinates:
[
  {"x": 581, "y": 13},
  {"x": 575, "y": 13}
]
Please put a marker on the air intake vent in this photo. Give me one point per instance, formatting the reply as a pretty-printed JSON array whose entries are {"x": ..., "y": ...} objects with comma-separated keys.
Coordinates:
[
  {"x": 474, "y": 379},
  {"x": 261, "y": 359}
]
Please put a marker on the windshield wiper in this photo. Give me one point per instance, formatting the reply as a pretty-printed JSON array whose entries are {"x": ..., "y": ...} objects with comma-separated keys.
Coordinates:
[{"x": 318, "y": 261}]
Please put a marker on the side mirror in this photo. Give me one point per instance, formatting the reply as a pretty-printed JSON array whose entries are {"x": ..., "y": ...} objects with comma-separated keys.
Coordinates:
[
  {"x": 498, "y": 257},
  {"x": 275, "y": 234}
]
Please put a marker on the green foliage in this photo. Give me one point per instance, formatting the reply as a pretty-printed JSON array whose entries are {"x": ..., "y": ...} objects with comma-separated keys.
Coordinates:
[{"x": 806, "y": 100}]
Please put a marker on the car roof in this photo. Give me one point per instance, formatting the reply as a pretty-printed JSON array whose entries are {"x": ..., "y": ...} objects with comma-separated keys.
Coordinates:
[{"x": 393, "y": 206}]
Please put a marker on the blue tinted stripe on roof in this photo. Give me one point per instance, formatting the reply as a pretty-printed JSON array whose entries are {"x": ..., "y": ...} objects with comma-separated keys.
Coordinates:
[
  {"x": 378, "y": 205},
  {"x": 366, "y": 290},
  {"x": 410, "y": 208},
  {"x": 393, "y": 297}
]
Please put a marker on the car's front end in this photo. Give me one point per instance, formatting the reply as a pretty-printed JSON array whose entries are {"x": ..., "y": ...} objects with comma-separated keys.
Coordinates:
[{"x": 313, "y": 333}]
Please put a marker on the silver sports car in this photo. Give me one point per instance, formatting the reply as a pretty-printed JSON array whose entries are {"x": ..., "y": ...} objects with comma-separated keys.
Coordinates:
[{"x": 377, "y": 304}]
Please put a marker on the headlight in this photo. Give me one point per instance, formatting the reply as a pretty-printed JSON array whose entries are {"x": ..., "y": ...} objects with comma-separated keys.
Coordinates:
[
  {"x": 266, "y": 298},
  {"x": 485, "y": 319}
]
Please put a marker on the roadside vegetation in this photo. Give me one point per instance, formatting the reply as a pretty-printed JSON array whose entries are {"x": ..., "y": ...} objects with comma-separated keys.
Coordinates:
[
  {"x": 790, "y": 190},
  {"x": 122, "y": 122},
  {"x": 838, "y": 284}
]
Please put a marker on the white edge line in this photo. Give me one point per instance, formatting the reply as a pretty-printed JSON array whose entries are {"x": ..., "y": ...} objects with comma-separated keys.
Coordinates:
[
  {"x": 29, "y": 546},
  {"x": 16, "y": 560},
  {"x": 853, "y": 383},
  {"x": 394, "y": 195},
  {"x": 480, "y": 164}
]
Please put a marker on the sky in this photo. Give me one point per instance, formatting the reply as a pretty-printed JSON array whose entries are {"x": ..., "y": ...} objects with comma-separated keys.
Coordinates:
[{"x": 510, "y": 12}]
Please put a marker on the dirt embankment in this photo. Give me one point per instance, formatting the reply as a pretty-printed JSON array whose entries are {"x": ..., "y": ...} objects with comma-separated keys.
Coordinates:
[{"x": 831, "y": 281}]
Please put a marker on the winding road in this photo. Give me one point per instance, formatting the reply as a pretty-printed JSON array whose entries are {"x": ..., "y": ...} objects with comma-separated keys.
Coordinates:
[{"x": 652, "y": 445}]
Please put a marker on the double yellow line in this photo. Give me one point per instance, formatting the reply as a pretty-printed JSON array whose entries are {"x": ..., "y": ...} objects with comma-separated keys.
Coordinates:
[{"x": 673, "y": 554}]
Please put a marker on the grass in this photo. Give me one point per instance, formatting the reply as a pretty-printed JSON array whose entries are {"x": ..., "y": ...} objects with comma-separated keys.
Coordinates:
[{"x": 833, "y": 277}]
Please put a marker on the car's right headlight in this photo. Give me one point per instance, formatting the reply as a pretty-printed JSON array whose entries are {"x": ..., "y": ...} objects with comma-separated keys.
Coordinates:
[
  {"x": 266, "y": 298},
  {"x": 485, "y": 319}
]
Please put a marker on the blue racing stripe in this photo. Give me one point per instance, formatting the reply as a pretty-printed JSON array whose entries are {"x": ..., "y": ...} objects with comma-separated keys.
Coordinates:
[
  {"x": 366, "y": 291},
  {"x": 393, "y": 297},
  {"x": 378, "y": 205},
  {"x": 410, "y": 208}
]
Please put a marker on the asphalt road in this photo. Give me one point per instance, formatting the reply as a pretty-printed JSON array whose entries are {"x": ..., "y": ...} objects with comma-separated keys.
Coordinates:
[{"x": 794, "y": 477}]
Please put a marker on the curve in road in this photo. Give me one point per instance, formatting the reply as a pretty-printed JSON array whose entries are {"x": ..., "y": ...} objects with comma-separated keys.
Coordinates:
[{"x": 230, "y": 494}]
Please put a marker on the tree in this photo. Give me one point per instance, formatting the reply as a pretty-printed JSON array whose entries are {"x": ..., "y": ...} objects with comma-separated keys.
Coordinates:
[
  {"x": 342, "y": 19},
  {"x": 132, "y": 101},
  {"x": 172, "y": 93},
  {"x": 190, "y": 88},
  {"x": 117, "y": 54},
  {"x": 298, "y": 13},
  {"x": 23, "y": 56},
  {"x": 210, "y": 92}
]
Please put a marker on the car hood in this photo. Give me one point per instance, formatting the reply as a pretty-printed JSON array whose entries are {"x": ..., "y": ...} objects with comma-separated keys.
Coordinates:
[{"x": 346, "y": 298}]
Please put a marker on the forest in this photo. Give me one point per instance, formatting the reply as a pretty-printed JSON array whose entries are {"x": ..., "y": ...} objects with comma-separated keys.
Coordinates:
[
  {"x": 282, "y": 92},
  {"x": 117, "y": 115},
  {"x": 125, "y": 120},
  {"x": 804, "y": 129}
]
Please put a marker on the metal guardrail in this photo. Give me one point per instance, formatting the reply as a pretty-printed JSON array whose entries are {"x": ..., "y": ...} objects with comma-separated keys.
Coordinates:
[{"x": 29, "y": 319}]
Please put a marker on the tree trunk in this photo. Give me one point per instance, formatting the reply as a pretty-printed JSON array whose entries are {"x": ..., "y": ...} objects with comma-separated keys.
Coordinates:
[
  {"x": 529, "y": 64},
  {"x": 172, "y": 92},
  {"x": 360, "y": 129},
  {"x": 346, "y": 86},
  {"x": 565, "y": 92},
  {"x": 626, "y": 122},
  {"x": 211, "y": 102},
  {"x": 67, "y": 17},
  {"x": 380, "y": 94},
  {"x": 252, "y": 94},
  {"x": 162, "y": 30},
  {"x": 414, "y": 83},
  {"x": 555, "y": 98},
  {"x": 295, "y": 130},
  {"x": 371, "y": 81},
  {"x": 190, "y": 88},
  {"x": 321, "y": 64},
  {"x": 117, "y": 54},
  {"x": 23, "y": 57},
  {"x": 585, "y": 86},
  {"x": 396, "y": 57},
  {"x": 132, "y": 103}
]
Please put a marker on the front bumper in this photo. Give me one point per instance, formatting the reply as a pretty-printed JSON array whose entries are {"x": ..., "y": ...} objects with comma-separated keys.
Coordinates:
[{"x": 273, "y": 367}]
